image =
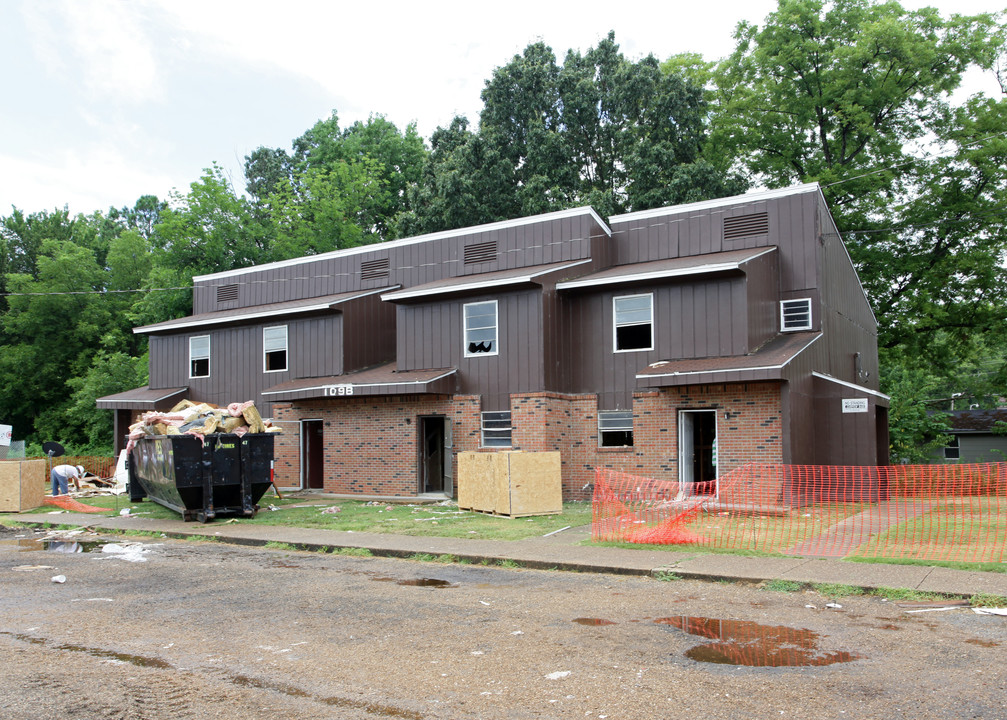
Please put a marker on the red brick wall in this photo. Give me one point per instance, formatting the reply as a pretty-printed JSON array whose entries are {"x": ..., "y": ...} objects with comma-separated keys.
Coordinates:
[{"x": 371, "y": 443}]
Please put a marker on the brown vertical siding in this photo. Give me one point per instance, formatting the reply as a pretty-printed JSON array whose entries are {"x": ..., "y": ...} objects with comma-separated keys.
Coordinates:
[
  {"x": 410, "y": 263},
  {"x": 430, "y": 336},
  {"x": 692, "y": 318},
  {"x": 369, "y": 329},
  {"x": 848, "y": 321},
  {"x": 762, "y": 278}
]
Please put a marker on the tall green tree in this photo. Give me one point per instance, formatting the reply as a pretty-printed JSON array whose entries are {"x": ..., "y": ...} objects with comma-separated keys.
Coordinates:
[
  {"x": 597, "y": 130},
  {"x": 323, "y": 177},
  {"x": 52, "y": 329},
  {"x": 464, "y": 183},
  {"x": 858, "y": 96}
]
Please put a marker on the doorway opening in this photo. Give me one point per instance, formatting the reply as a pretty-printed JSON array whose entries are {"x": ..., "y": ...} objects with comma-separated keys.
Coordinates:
[
  {"x": 697, "y": 451},
  {"x": 312, "y": 454},
  {"x": 435, "y": 455}
]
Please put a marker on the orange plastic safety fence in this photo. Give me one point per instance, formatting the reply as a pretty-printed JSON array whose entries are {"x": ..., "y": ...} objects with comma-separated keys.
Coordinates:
[
  {"x": 68, "y": 503},
  {"x": 926, "y": 512}
]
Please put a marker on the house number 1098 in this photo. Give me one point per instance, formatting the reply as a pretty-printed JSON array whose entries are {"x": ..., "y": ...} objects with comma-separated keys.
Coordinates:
[{"x": 339, "y": 390}]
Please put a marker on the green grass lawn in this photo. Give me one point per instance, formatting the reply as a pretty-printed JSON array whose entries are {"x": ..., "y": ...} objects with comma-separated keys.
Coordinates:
[
  {"x": 970, "y": 530},
  {"x": 358, "y": 516}
]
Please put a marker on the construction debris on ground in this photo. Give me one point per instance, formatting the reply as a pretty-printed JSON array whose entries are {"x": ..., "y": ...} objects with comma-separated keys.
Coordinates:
[{"x": 200, "y": 419}]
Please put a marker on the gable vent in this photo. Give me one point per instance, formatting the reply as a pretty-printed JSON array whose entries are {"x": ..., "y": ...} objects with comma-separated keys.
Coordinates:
[
  {"x": 227, "y": 293},
  {"x": 746, "y": 226},
  {"x": 374, "y": 269},
  {"x": 480, "y": 252}
]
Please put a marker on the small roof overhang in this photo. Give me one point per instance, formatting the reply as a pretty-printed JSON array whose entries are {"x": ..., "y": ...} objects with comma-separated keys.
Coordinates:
[
  {"x": 143, "y": 398},
  {"x": 731, "y": 260},
  {"x": 766, "y": 363},
  {"x": 255, "y": 312},
  {"x": 381, "y": 380},
  {"x": 482, "y": 281}
]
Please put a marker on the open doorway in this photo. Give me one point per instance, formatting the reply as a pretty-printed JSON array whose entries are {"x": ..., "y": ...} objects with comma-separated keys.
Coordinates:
[
  {"x": 312, "y": 455},
  {"x": 435, "y": 454},
  {"x": 697, "y": 451}
]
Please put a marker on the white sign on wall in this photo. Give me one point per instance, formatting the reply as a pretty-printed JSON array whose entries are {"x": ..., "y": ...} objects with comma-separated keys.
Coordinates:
[
  {"x": 6, "y": 431},
  {"x": 854, "y": 405}
]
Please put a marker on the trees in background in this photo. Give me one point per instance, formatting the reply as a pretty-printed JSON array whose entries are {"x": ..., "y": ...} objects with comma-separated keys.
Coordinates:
[
  {"x": 859, "y": 96},
  {"x": 854, "y": 94},
  {"x": 597, "y": 130}
]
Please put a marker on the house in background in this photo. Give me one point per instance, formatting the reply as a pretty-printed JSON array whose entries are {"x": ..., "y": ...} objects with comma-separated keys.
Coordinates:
[
  {"x": 676, "y": 343},
  {"x": 976, "y": 436}
]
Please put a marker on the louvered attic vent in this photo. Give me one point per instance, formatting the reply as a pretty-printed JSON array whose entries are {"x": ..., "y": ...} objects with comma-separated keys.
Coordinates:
[
  {"x": 746, "y": 226},
  {"x": 374, "y": 269},
  {"x": 227, "y": 293},
  {"x": 480, "y": 252}
]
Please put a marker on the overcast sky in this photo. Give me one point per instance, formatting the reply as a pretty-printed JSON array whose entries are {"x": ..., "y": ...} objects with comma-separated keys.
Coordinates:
[{"x": 108, "y": 100}]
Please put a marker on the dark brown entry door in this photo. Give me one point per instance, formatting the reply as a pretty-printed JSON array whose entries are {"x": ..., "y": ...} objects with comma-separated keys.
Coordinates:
[
  {"x": 313, "y": 454},
  {"x": 432, "y": 455}
]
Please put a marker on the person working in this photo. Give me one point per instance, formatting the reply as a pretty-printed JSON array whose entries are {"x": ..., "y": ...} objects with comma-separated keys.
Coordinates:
[{"x": 61, "y": 474}]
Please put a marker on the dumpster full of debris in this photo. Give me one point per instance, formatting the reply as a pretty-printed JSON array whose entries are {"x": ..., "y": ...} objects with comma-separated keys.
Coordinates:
[{"x": 202, "y": 460}]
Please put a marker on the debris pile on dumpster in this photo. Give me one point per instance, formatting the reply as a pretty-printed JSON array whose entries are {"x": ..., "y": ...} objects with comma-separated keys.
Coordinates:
[{"x": 200, "y": 419}]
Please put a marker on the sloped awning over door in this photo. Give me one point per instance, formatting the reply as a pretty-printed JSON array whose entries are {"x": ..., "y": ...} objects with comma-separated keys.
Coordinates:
[
  {"x": 143, "y": 398},
  {"x": 382, "y": 380}
]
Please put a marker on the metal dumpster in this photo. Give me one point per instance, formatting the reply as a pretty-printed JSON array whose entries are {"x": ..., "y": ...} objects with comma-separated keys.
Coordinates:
[{"x": 225, "y": 475}]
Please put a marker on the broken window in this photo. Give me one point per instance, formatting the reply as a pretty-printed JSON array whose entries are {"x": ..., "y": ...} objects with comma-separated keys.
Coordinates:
[
  {"x": 634, "y": 322},
  {"x": 496, "y": 429},
  {"x": 199, "y": 356},
  {"x": 274, "y": 346},
  {"x": 615, "y": 428},
  {"x": 481, "y": 328},
  {"x": 795, "y": 314}
]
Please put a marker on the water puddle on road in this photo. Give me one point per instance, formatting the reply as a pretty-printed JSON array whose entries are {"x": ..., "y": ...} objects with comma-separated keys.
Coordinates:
[
  {"x": 55, "y": 546},
  {"x": 419, "y": 582},
  {"x": 742, "y": 642},
  {"x": 138, "y": 660}
]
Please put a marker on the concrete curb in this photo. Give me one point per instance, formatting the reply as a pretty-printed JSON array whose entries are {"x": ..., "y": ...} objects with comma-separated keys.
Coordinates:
[{"x": 566, "y": 555}]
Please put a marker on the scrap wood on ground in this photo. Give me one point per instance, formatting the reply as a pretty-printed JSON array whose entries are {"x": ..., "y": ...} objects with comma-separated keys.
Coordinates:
[{"x": 200, "y": 420}]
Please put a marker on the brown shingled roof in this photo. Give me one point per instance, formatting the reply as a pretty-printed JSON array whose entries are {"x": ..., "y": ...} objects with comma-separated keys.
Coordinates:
[{"x": 765, "y": 363}]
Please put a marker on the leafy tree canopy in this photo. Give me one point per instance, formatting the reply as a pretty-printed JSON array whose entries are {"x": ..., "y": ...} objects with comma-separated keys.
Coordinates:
[{"x": 598, "y": 130}]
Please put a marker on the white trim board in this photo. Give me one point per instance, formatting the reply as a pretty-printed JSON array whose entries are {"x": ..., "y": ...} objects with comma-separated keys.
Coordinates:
[
  {"x": 660, "y": 274},
  {"x": 862, "y": 389},
  {"x": 197, "y": 321},
  {"x": 360, "y": 385},
  {"x": 718, "y": 202},
  {"x": 463, "y": 287}
]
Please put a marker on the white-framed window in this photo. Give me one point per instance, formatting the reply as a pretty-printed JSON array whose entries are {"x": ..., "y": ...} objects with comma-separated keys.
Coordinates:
[
  {"x": 795, "y": 314},
  {"x": 199, "y": 356},
  {"x": 480, "y": 328},
  {"x": 952, "y": 451},
  {"x": 633, "y": 320},
  {"x": 615, "y": 428},
  {"x": 496, "y": 428},
  {"x": 274, "y": 348}
]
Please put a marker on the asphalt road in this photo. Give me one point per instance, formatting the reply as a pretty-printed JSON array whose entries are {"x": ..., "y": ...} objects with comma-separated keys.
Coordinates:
[{"x": 175, "y": 629}]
